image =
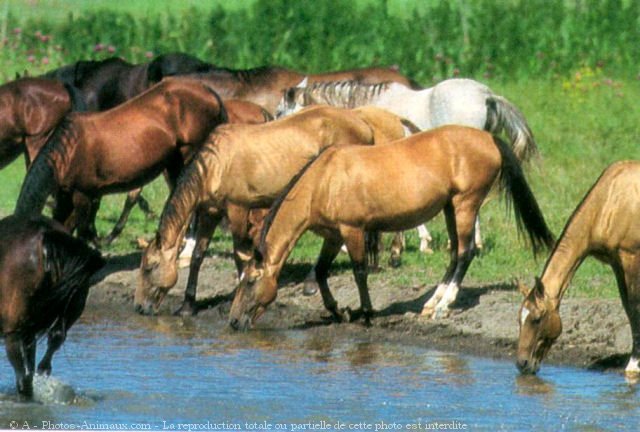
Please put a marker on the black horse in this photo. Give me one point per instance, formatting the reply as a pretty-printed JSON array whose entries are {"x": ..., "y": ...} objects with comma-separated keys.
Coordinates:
[{"x": 44, "y": 282}]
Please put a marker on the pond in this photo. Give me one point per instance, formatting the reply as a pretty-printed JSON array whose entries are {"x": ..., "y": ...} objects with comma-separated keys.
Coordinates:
[{"x": 166, "y": 373}]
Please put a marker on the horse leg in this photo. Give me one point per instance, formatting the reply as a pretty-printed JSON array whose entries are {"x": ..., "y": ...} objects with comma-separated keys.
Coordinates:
[
  {"x": 356, "y": 242},
  {"x": 21, "y": 351},
  {"x": 132, "y": 198},
  {"x": 397, "y": 247},
  {"x": 478, "y": 236},
  {"x": 328, "y": 253},
  {"x": 86, "y": 209},
  {"x": 63, "y": 210},
  {"x": 425, "y": 239},
  {"x": 465, "y": 217},
  {"x": 429, "y": 307},
  {"x": 205, "y": 227},
  {"x": 145, "y": 207},
  {"x": 628, "y": 278}
]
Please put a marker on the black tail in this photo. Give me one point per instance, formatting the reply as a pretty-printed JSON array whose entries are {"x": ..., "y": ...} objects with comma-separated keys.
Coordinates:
[
  {"x": 40, "y": 180},
  {"x": 372, "y": 248},
  {"x": 529, "y": 217}
]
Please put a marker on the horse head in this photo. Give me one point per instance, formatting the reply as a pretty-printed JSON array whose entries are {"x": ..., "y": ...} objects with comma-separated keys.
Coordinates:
[
  {"x": 158, "y": 274},
  {"x": 256, "y": 290},
  {"x": 292, "y": 99},
  {"x": 540, "y": 326}
]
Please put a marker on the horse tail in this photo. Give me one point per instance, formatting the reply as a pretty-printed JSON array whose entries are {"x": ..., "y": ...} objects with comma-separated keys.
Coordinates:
[
  {"x": 78, "y": 102},
  {"x": 529, "y": 217},
  {"x": 503, "y": 115},
  {"x": 40, "y": 180}
]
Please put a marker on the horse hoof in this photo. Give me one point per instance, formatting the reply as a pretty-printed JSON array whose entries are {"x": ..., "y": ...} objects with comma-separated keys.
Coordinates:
[
  {"x": 309, "y": 289},
  {"x": 395, "y": 262},
  {"x": 186, "y": 310}
]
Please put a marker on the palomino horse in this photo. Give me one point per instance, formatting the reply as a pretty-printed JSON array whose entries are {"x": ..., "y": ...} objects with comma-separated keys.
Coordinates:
[
  {"x": 265, "y": 85},
  {"x": 455, "y": 101},
  {"x": 238, "y": 111},
  {"x": 30, "y": 109},
  {"x": 245, "y": 167},
  {"x": 343, "y": 197},
  {"x": 92, "y": 154},
  {"x": 44, "y": 282},
  {"x": 605, "y": 225}
]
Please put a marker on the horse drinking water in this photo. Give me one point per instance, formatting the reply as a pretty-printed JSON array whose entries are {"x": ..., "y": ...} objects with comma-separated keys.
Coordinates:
[
  {"x": 44, "y": 282},
  {"x": 342, "y": 197},
  {"x": 605, "y": 225},
  {"x": 245, "y": 166}
]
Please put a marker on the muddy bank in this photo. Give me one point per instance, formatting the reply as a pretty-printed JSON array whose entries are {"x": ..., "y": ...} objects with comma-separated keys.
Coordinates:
[{"x": 596, "y": 332}]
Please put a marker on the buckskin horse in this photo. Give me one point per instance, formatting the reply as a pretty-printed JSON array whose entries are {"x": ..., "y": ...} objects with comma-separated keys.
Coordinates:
[
  {"x": 92, "y": 154},
  {"x": 605, "y": 225},
  {"x": 245, "y": 167},
  {"x": 30, "y": 109},
  {"x": 454, "y": 101},
  {"x": 342, "y": 197},
  {"x": 44, "y": 282}
]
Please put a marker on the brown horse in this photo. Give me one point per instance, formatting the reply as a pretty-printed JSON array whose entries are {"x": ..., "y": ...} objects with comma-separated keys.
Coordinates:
[
  {"x": 343, "y": 197},
  {"x": 605, "y": 225},
  {"x": 238, "y": 111},
  {"x": 92, "y": 154},
  {"x": 265, "y": 85},
  {"x": 245, "y": 167},
  {"x": 30, "y": 109},
  {"x": 44, "y": 282}
]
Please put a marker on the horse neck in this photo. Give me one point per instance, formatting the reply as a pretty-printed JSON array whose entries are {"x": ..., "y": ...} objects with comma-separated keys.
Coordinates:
[
  {"x": 187, "y": 195},
  {"x": 569, "y": 252},
  {"x": 281, "y": 232}
]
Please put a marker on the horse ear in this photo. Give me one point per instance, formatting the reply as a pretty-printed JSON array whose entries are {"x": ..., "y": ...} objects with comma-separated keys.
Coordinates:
[
  {"x": 539, "y": 289},
  {"x": 304, "y": 83},
  {"x": 524, "y": 290}
]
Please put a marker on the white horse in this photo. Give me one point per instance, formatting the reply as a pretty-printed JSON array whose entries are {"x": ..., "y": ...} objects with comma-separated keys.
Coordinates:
[{"x": 455, "y": 101}]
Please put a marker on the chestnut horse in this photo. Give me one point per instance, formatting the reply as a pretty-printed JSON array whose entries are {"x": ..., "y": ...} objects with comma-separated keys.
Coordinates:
[
  {"x": 92, "y": 154},
  {"x": 241, "y": 168},
  {"x": 342, "y": 197},
  {"x": 265, "y": 85},
  {"x": 238, "y": 111},
  {"x": 44, "y": 282},
  {"x": 30, "y": 109},
  {"x": 605, "y": 225}
]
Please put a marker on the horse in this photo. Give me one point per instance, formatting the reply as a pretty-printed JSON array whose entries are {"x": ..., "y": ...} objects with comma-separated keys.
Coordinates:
[
  {"x": 30, "y": 109},
  {"x": 454, "y": 101},
  {"x": 44, "y": 282},
  {"x": 342, "y": 197},
  {"x": 238, "y": 111},
  {"x": 605, "y": 225},
  {"x": 265, "y": 85},
  {"x": 92, "y": 154},
  {"x": 245, "y": 167}
]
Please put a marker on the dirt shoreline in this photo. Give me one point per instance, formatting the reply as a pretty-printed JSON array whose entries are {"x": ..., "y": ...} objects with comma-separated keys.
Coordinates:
[{"x": 596, "y": 332}]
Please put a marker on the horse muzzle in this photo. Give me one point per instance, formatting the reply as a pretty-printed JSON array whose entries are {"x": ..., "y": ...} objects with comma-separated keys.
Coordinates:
[{"x": 528, "y": 366}]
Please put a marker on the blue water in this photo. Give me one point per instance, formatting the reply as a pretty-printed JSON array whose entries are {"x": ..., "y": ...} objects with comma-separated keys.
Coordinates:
[{"x": 162, "y": 372}]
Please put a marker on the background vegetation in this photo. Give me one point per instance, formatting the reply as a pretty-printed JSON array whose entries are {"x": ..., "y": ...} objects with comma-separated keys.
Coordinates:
[{"x": 571, "y": 66}]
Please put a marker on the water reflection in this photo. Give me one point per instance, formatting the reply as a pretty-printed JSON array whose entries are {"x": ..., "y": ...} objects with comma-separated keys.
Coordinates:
[{"x": 532, "y": 385}]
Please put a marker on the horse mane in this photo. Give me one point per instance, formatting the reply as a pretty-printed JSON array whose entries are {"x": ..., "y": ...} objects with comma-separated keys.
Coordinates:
[
  {"x": 275, "y": 207},
  {"x": 346, "y": 94},
  {"x": 68, "y": 264},
  {"x": 77, "y": 99},
  {"x": 40, "y": 180},
  {"x": 259, "y": 75},
  {"x": 186, "y": 193}
]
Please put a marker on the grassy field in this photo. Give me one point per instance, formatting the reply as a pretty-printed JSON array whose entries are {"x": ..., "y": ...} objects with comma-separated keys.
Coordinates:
[{"x": 582, "y": 107}]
